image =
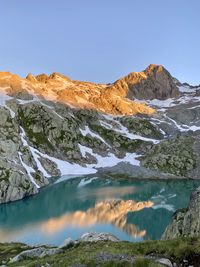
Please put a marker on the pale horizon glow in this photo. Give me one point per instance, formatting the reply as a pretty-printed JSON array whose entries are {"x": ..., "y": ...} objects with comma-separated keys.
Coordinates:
[{"x": 100, "y": 41}]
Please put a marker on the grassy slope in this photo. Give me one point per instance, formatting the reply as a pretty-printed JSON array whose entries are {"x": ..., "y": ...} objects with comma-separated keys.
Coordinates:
[{"x": 88, "y": 253}]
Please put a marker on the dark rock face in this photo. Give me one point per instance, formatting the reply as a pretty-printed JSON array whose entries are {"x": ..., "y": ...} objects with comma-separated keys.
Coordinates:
[
  {"x": 154, "y": 82},
  {"x": 186, "y": 222}
]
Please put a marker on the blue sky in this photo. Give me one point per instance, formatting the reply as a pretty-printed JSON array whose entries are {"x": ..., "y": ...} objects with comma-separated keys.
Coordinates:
[{"x": 100, "y": 40}]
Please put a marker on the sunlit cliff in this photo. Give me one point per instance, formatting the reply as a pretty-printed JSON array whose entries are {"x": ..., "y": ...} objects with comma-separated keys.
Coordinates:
[{"x": 115, "y": 98}]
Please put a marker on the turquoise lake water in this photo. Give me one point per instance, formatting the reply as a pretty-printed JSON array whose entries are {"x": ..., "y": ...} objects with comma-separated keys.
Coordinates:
[{"x": 69, "y": 209}]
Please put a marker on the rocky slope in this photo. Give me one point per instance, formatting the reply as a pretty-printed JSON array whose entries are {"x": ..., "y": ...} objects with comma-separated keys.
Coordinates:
[
  {"x": 53, "y": 126},
  {"x": 115, "y": 98},
  {"x": 58, "y": 88},
  {"x": 155, "y": 82},
  {"x": 186, "y": 222}
]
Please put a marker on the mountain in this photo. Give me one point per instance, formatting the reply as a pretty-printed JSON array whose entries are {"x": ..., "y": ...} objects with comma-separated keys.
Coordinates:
[
  {"x": 145, "y": 124},
  {"x": 110, "y": 99},
  {"x": 155, "y": 82},
  {"x": 115, "y": 98}
]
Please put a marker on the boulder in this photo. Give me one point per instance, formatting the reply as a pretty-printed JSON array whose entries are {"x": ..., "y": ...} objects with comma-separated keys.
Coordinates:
[
  {"x": 67, "y": 243},
  {"x": 38, "y": 252},
  {"x": 165, "y": 262},
  {"x": 94, "y": 237}
]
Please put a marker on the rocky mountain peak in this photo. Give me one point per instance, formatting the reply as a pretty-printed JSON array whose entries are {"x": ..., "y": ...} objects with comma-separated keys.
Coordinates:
[
  {"x": 158, "y": 72},
  {"x": 31, "y": 78},
  {"x": 152, "y": 68},
  {"x": 111, "y": 99},
  {"x": 155, "y": 82},
  {"x": 118, "y": 98},
  {"x": 42, "y": 77},
  {"x": 45, "y": 78}
]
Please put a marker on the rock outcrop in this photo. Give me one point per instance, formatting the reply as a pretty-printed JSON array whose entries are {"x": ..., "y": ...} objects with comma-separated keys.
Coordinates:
[
  {"x": 155, "y": 82},
  {"x": 39, "y": 252},
  {"x": 186, "y": 222},
  {"x": 174, "y": 156},
  {"x": 40, "y": 139},
  {"x": 95, "y": 237},
  {"x": 16, "y": 179}
]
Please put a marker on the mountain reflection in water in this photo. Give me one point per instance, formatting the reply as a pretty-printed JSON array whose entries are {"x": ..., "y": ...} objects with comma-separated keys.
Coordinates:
[
  {"x": 109, "y": 212},
  {"x": 112, "y": 212},
  {"x": 79, "y": 205}
]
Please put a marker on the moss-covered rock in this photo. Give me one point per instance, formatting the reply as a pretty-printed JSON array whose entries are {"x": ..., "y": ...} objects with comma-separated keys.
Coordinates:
[
  {"x": 116, "y": 139},
  {"x": 141, "y": 127},
  {"x": 175, "y": 156}
]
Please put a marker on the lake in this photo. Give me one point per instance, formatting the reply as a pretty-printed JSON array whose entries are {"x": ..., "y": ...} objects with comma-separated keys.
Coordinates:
[{"x": 75, "y": 206}]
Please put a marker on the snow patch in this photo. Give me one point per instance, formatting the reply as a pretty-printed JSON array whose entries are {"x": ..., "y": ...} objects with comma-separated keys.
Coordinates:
[
  {"x": 24, "y": 102},
  {"x": 110, "y": 160},
  {"x": 3, "y": 96},
  {"x": 183, "y": 128},
  {"x": 194, "y": 128},
  {"x": 163, "y": 205},
  {"x": 86, "y": 181},
  {"x": 66, "y": 167},
  {"x": 186, "y": 89},
  {"x": 87, "y": 131},
  {"x": 12, "y": 113},
  {"x": 106, "y": 125},
  {"x": 124, "y": 131},
  {"x": 29, "y": 170}
]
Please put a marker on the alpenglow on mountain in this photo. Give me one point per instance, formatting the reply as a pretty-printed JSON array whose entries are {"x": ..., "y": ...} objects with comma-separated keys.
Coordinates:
[{"x": 145, "y": 124}]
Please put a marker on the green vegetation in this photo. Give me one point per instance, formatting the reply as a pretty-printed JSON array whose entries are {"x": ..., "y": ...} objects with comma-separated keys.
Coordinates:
[
  {"x": 139, "y": 262},
  {"x": 4, "y": 174},
  {"x": 141, "y": 127},
  {"x": 90, "y": 254},
  {"x": 37, "y": 138},
  {"x": 116, "y": 139}
]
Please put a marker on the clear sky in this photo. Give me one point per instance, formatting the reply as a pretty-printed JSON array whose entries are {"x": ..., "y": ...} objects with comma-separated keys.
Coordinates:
[{"x": 100, "y": 40}]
